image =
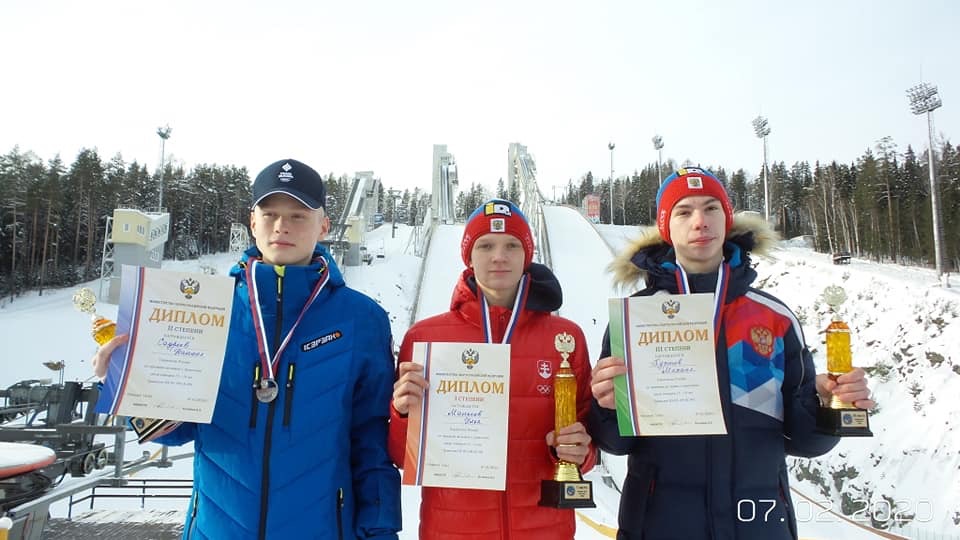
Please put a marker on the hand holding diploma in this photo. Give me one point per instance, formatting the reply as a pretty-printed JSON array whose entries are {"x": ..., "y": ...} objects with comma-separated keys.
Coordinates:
[
  {"x": 409, "y": 388},
  {"x": 101, "y": 358},
  {"x": 601, "y": 380}
]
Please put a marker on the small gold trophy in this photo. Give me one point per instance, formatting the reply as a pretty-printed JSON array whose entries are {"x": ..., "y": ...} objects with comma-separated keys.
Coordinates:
[
  {"x": 103, "y": 329},
  {"x": 567, "y": 489},
  {"x": 838, "y": 417}
]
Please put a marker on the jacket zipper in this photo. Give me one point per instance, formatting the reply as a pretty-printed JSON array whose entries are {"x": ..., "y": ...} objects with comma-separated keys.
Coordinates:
[
  {"x": 340, "y": 513},
  {"x": 505, "y": 533},
  {"x": 193, "y": 514},
  {"x": 267, "y": 439}
]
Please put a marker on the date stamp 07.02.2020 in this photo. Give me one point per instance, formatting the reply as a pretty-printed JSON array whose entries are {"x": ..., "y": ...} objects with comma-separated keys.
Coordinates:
[{"x": 867, "y": 511}]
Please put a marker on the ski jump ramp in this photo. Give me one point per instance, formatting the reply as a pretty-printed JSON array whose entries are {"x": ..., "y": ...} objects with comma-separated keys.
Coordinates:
[
  {"x": 441, "y": 270},
  {"x": 580, "y": 257}
]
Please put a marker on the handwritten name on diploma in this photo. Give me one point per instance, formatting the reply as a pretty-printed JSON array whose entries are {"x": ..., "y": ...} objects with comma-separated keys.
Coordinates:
[
  {"x": 177, "y": 348},
  {"x": 469, "y": 417},
  {"x": 669, "y": 366}
]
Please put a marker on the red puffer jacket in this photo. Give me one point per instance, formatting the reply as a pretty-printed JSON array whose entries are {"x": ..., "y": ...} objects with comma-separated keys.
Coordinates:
[{"x": 462, "y": 514}]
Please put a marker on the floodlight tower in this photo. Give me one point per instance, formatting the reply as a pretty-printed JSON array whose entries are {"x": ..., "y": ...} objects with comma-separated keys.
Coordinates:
[
  {"x": 658, "y": 146},
  {"x": 761, "y": 128},
  {"x": 164, "y": 133},
  {"x": 924, "y": 100},
  {"x": 611, "y": 146}
]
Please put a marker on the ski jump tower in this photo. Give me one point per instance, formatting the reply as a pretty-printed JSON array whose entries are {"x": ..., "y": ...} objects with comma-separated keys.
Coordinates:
[
  {"x": 444, "y": 185},
  {"x": 133, "y": 237}
]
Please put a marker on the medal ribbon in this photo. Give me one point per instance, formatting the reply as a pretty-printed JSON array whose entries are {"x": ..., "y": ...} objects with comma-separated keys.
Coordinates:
[
  {"x": 517, "y": 307},
  {"x": 269, "y": 368},
  {"x": 723, "y": 279}
]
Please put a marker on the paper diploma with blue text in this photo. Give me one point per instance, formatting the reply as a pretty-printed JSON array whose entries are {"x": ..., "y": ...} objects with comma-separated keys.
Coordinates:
[
  {"x": 667, "y": 342},
  {"x": 170, "y": 367},
  {"x": 457, "y": 437}
]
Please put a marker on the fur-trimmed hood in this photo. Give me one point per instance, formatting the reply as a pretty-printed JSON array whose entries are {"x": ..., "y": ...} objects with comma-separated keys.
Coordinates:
[{"x": 750, "y": 234}]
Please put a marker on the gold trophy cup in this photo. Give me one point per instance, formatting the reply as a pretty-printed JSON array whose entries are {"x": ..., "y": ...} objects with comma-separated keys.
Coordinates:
[
  {"x": 567, "y": 489},
  {"x": 840, "y": 418},
  {"x": 103, "y": 329}
]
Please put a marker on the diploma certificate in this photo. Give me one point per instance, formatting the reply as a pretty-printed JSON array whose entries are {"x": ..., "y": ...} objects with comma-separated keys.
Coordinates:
[
  {"x": 170, "y": 367},
  {"x": 457, "y": 437},
  {"x": 670, "y": 388}
]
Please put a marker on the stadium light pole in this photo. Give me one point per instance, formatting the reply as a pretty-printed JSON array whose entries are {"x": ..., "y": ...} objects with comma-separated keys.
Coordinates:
[
  {"x": 924, "y": 100},
  {"x": 658, "y": 146},
  {"x": 164, "y": 133},
  {"x": 611, "y": 146},
  {"x": 761, "y": 128}
]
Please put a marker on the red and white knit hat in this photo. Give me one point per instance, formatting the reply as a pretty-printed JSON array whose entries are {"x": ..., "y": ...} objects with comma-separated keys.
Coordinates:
[
  {"x": 689, "y": 182},
  {"x": 497, "y": 216}
]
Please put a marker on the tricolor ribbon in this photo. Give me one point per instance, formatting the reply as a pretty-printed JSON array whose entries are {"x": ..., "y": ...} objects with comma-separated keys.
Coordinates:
[{"x": 268, "y": 368}]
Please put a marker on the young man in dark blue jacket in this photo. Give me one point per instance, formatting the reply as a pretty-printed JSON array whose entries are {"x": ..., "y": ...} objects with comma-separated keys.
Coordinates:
[
  {"x": 689, "y": 487},
  {"x": 301, "y": 452}
]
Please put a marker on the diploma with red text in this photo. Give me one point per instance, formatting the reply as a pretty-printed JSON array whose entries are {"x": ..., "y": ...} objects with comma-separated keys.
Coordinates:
[
  {"x": 170, "y": 367},
  {"x": 667, "y": 343},
  {"x": 457, "y": 437}
]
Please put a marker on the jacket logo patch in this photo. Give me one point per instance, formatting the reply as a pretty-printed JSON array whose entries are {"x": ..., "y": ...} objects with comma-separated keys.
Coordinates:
[
  {"x": 762, "y": 339},
  {"x": 544, "y": 368},
  {"x": 322, "y": 340},
  {"x": 470, "y": 357}
]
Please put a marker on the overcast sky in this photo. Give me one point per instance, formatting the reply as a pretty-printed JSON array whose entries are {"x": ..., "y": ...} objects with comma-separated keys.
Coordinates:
[{"x": 348, "y": 86}]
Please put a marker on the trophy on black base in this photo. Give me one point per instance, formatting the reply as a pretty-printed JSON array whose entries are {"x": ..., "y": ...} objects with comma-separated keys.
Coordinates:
[
  {"x": 837, "y": 417},
  {"x": 567, "y": 489}
]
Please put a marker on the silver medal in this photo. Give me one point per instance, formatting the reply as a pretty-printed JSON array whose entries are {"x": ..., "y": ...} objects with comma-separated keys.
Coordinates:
[{"x": 268, "y": 390}]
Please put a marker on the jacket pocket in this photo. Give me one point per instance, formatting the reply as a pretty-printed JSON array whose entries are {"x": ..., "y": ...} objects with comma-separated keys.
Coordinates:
[{"x": 638, "y": 491}]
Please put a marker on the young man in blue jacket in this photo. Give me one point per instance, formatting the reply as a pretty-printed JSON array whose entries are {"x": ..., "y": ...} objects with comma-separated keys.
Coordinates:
[
  {"x": 689, "y": 487},
  {"x": 301, "y": 452}
]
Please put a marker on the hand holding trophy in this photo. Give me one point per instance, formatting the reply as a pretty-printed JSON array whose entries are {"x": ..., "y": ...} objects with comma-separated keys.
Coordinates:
[
  {"x": 838, "y": 417},
  {"x": 567, "y": 489},
  {"x": 103, "y": 330}
]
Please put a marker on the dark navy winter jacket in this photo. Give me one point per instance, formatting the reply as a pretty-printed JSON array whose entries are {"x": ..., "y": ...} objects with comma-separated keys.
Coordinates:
[
  {"x": 733, "y": 486},
  {"x": 313, "y": 463}
]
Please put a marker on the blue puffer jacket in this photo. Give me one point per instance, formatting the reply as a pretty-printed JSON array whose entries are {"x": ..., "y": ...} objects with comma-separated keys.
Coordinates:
[
  {"x": 734, "y": 486},
  {"x": 313, "y": 463}
]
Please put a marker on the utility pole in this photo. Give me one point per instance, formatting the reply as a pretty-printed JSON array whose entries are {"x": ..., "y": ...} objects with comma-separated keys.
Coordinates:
[
  {"x": 658, "y": 146},
  {"x": 924, "y": 100},
  {"x": 13, "y": 251},
  {"x": 164, "y": 133},
  {"x": 761, "y": 128},
  {"x": 611, "y": 146},
  {"x": 46, "y": 242},
  {"x": 394, "y": 194}
]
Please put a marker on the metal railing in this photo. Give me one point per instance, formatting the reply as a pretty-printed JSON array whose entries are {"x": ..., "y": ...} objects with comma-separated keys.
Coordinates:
[{"x": 136, "y": 488}]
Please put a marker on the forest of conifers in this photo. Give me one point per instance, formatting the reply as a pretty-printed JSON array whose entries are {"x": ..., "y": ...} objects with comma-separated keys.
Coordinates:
[{"x": 53, "y": 214}]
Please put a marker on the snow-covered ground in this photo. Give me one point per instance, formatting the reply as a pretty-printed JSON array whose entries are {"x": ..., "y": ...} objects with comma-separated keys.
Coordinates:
[{"x": 904, "y": 327}]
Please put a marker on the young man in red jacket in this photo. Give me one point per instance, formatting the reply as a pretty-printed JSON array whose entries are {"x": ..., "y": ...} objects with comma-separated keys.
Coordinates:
[{"x": 503, "y": 297}]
